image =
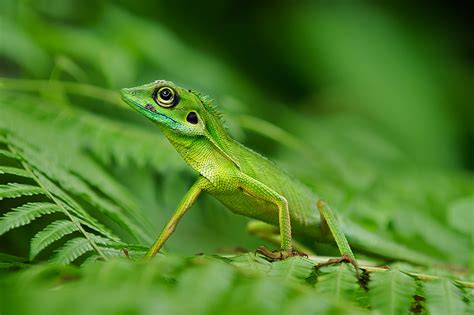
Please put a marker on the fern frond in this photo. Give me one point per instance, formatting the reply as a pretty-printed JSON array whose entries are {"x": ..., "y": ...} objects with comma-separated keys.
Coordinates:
[
  {"x": 10, "y": 261},
  {"x": 253, "y": 263},
  {"x": 8, "y": 154},
  {"x": 295, "y": 268},
  {"x": 115, "y": 141},
  {"x": 89, "y": 222},
  {"x": 73, "y": 209},
  {"x": 14, "y": 171},
  {"x": 25, "y": 214},
  {"x": 72, "y": 250},
  {"x": 71, "y": 206},
  {"x": 35, "y": 163},
  {"x": 48, "y": 163},
  {"x": 14, "y": 190},
  {"x": 77, "y": 247},
  {"x": 50, "y": 234},
  {"x": 338, "y": 281},
  {"x": 104, "y": 182},
  {"x": 391, "y": 292},
  {"x": 112, "y": 251},
  {"x": 444, "y": 298}
]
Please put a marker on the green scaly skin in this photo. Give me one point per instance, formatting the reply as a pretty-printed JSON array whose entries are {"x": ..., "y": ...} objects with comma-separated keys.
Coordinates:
[{"x": 244, "y": 181}]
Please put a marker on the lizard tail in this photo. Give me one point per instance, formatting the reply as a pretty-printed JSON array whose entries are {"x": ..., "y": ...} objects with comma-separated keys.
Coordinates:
[{"x": 364, "y": 240}]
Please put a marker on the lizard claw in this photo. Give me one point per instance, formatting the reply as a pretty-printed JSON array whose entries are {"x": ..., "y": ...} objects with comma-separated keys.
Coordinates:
[{"x": 278, "y": 255}]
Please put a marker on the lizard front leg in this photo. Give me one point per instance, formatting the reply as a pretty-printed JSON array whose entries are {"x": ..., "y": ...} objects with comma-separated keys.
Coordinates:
[
  {"x": 261, "y": 191},
  {"x": 188, "y": 200}
]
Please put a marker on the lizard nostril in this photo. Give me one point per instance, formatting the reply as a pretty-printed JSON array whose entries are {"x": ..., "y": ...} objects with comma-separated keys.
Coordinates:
[
  {"x": 128, "y": 91},
  {"x": 150, "y": 108}
]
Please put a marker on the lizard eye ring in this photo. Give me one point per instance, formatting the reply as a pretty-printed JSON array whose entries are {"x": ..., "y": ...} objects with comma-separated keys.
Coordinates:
[{"x": 165, "y": 97}]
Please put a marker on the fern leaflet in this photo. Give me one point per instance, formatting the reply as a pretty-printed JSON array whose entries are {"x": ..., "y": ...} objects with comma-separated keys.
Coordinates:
[
  {"x": 338, "y": 281},
  {"x": 72, "y": 250},
  {"x": 75, "y": 248},
  {"x": 252, "y": 262},
  {"x": 295, "y": 268},
  {"x": 8, "y": 154},
  {"x": 443, "y": 298},
  {"x": 26, "y": 213},
  {"x": 35, "y": 165},
  {"x": 391, "y": 292},
  {"x": 13, "y": 190},
  {"x": 14, "y": 171},
  {"x": 50, "y": 234}
]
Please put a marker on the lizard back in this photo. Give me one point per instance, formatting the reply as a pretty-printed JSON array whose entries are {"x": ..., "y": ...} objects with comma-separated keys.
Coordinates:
[{"x": 301, "y": 200}]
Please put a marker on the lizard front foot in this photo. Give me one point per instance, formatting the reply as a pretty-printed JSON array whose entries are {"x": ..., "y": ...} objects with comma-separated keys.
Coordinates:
[{"x": 278, "y": 255}]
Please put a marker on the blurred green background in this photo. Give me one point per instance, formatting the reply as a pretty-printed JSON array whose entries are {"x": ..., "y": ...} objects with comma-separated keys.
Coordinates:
[
  {"x": 370, "y": 104},
  {"x": 406, "y": 69}
]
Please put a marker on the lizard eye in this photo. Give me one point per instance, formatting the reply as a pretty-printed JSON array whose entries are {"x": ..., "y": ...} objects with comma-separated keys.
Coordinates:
[{"x": 165, "y": 97}]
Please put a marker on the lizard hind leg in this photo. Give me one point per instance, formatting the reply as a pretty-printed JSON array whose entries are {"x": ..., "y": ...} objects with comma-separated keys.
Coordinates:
[{"x": 329, "y": 224}]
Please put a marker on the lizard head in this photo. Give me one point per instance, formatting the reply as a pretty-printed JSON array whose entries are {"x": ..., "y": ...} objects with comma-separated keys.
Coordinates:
[{"x": 174, "y": 108}]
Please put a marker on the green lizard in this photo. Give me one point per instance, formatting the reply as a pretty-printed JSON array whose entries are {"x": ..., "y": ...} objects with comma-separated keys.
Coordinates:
[{"x": 243, "y": 180}]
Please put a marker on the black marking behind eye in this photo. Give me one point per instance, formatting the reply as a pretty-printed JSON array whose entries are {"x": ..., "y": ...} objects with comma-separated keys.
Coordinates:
[
  {"x": 150, "y": 108},
  {"x": 192, "y": 118}
]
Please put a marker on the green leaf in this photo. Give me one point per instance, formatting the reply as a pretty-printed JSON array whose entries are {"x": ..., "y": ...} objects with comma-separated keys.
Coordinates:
[
  {"x": 72, "y": 250},
  {"x": 47, "y": 163},
  {"x": 14, "y": 171},
  {"x": 461, "y": 216},
  {"x": 313, "y": 303},
  {"x": 295, "y": 268},
  {"x": 14, "y": 190},
  {"x": 470, "y": 301},
  {"x": 435, "y": 233},
  {"x": 443, "y": 298},
  {"x": 214, "y": 279},
  {"x": 25, "y": 214},
  {"x": 391, "y": 292},
  {"x": 251, "y": 262},
  {"x": 73, "y": 208},
  {"x": 50, "y": 234},
  {"x": 78, "y": 246},
  {"x": 338, "y": 281},
  {"x": 8, "y": 154},
  {"x": 9, "y": 261}
]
